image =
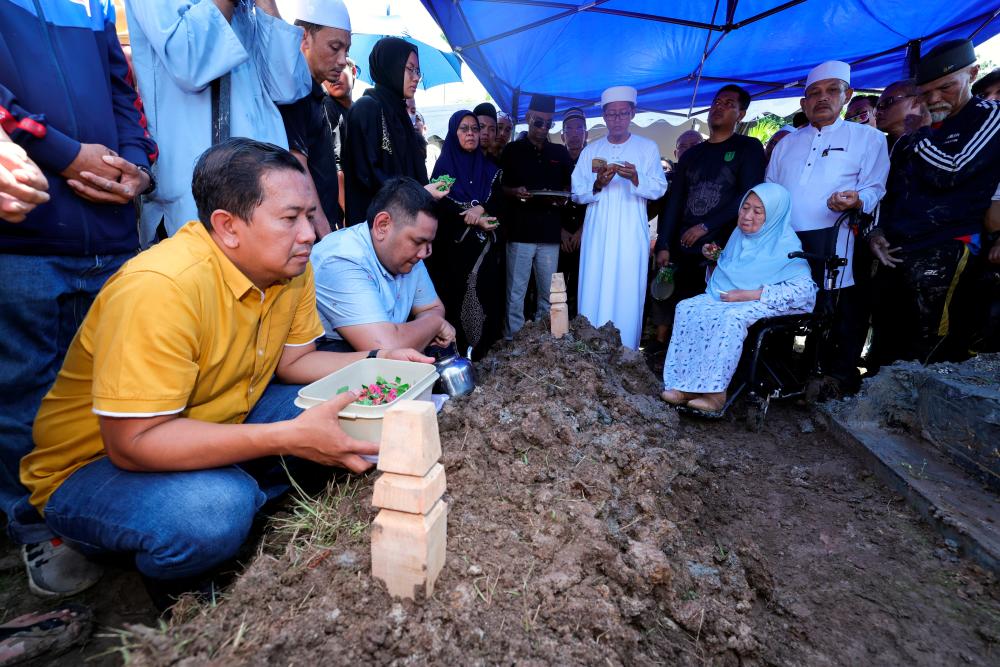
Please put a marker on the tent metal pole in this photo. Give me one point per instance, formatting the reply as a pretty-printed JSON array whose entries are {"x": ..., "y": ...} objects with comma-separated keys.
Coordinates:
[
  {"x": 985, "y": 23},
  {"x": 912, "y": 57},
  {"x": 704, "y": 55},
  {"x": 516, "y": 103}
]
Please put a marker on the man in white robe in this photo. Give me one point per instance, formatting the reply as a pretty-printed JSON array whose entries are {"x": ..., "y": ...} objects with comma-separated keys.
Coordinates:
[{"x": 614, "y": 177}]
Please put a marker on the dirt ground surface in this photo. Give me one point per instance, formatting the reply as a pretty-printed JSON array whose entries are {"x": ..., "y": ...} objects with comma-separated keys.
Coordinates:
[{"x": 587, "y": 525}]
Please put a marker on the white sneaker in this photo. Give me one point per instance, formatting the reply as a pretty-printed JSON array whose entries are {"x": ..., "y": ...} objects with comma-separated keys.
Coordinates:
[{"x": 55, "y": 570}]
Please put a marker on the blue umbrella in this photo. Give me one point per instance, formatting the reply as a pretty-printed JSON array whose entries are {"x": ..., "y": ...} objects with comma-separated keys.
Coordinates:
[{"x": 436, "y": 66}]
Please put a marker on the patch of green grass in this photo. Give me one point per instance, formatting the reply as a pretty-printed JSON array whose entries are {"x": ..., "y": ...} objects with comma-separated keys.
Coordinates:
[{"x": 318, "y": 522}]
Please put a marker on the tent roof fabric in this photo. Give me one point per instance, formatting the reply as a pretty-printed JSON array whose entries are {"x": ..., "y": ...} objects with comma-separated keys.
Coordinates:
[{"x": 678, "y": 53}]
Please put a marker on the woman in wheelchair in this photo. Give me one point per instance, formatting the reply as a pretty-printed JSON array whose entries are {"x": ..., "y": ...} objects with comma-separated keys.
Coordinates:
[{"x": 754, "y": 279}]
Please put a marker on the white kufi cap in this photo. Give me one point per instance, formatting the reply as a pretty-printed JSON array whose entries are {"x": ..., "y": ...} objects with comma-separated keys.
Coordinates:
[
  {"x": 619, "y": 94},
  {"x": 328, "y": 13},
  {"x": 831, "y": 69}
]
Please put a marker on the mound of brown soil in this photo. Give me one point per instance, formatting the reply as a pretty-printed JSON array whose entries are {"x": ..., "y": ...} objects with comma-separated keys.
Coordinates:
[{"x": 567, "y": 485}]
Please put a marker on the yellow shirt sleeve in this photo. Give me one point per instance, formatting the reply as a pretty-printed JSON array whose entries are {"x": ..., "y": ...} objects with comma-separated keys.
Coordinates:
[
  {"x": 306, "y": 326},
  {"x": 146, "y": 363}
]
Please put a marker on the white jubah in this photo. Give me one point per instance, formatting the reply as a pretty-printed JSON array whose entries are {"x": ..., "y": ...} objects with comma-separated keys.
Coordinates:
[{"x": 614, "y": 251}]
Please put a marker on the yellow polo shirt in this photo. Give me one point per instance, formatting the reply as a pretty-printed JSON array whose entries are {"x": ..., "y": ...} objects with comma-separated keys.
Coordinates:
[{"x": 178, "y": 330}]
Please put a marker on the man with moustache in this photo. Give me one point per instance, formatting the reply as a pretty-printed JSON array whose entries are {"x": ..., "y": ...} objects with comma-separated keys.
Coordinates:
[
  {"x": 373, "y": 290},
  {"x": 944, "y": 174},
  {"x": 574, "y": 138},
  {"x": 615, "y": 177},
  {"x": 326, "y": 39},
  {"x": 831, "y": 166},
  {"x": 159, "y": 438}
]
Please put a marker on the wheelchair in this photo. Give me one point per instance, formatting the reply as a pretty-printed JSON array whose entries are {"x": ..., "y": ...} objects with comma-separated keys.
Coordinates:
[{"x": 782, "y": 354}]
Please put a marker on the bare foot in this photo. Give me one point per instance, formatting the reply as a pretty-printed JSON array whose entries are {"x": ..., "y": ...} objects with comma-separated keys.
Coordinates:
[
  {"x": 708, "y": 402},
  {"x": 677, "y": 397}
]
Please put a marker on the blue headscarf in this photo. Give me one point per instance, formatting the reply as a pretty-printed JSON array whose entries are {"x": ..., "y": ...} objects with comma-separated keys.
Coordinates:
[
  {"x": 473, "y": 172},
  {"x": 751, "y": 261}
]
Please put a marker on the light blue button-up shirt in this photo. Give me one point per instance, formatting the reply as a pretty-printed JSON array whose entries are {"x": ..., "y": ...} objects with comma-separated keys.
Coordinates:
[
  {"x": 178, "y": 48},
  {"x": 352, "y": 286}
]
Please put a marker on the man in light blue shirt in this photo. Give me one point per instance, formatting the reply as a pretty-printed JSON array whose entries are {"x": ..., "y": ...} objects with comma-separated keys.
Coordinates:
[
  {"x": 179, "y": 47},
  {"x": 372, "y": 288}
]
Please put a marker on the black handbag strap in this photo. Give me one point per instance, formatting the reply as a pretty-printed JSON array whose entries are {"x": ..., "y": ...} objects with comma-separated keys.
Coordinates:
[{"x": 220, "y": 109}]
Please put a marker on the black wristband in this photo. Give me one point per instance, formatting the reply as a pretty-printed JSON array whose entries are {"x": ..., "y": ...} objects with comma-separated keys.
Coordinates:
[{"x": 373, "y": 354}]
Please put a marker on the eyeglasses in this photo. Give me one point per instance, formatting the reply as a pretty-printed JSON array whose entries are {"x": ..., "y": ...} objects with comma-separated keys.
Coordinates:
[
  {"x": 724, "y": 103},
  {"x": 414, "y": 72},
  {"x": 617, "y": 115},
  {"x": 539, "y": 123},
  {"x": 466, "y": 129},
  {"x": 889, "y": 101},
  {"x": 861, "y": 117}
]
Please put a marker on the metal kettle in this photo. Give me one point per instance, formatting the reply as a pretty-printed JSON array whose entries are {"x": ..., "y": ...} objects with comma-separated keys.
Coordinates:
[{"x": 457, "y": 376}]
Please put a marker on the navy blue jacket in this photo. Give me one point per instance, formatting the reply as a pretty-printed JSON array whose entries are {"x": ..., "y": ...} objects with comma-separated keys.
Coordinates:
[{"x": 61, "y": 65}]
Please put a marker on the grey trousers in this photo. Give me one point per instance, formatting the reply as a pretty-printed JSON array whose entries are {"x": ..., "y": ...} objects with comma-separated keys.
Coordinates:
[{"x": 521, "y": 257}]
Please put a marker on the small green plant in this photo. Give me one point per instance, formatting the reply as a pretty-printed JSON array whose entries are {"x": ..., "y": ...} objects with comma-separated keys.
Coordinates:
[{"x": 317, "y": 522}]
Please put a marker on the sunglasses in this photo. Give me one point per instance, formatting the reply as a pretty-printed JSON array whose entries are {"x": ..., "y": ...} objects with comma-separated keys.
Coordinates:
[
  {"x": 889, "y": 101},
  {"x": 539, "y": 123},
  {"x": 861, "y": 117}
]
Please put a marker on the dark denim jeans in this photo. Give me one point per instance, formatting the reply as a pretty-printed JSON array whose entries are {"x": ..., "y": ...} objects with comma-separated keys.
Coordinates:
[
  {"x": 43, "y": 301},
  {"x": 177, "y": 524}
]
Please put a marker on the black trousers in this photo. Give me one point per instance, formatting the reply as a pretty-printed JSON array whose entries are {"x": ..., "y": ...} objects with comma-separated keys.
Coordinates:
[
  {"x": 924, "y": 307},
  {"x": 849, "y": 309}
]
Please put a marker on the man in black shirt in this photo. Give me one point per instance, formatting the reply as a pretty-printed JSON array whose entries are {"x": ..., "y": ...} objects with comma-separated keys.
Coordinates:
[
  {"x": 707, "y": 186},
  {"x": 574, "y": 137},
  {"x": 942, "y": 177},
  {"x": 535, "y": 222},
  {"x": 325, "y": 43}
]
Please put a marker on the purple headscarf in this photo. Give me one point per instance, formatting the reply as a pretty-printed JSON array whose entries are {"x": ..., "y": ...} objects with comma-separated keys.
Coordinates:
[{"x": 473, "y": 172}]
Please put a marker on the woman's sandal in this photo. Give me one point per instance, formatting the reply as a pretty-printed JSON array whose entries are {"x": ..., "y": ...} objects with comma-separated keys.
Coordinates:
[{"x": 46, "y": 633}]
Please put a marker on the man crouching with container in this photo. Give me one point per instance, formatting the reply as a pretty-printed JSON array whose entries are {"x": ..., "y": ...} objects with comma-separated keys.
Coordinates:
[{"x": 161, "y": 433}]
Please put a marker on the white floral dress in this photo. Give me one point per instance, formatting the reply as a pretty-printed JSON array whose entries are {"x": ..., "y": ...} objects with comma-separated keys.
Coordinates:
[{"x": 708, "y": 335}]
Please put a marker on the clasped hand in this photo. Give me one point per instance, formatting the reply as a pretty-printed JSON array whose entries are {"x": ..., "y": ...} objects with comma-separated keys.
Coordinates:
[
  {"x": 99, "y": 175},
  {"x": 737, "y": 295}
]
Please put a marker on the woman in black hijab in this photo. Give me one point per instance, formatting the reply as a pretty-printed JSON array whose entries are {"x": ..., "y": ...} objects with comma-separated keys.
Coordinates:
[
  {"x": 467, "y": 263},
  {"x": 380, "y": 141}
]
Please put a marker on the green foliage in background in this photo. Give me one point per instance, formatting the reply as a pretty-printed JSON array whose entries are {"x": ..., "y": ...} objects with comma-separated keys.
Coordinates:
[{"x": 765, "y": 126}]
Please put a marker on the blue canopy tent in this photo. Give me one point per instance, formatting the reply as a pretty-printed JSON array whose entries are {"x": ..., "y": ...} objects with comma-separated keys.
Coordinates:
[{"x": 678, "y": 53}]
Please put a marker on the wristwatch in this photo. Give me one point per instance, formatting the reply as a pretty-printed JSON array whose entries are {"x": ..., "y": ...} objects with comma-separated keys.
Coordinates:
[{"x": 152, "y": 180}]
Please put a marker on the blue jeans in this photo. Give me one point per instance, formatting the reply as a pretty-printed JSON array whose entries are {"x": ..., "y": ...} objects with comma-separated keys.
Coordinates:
[
  {"x": 521, "y": 258},
  {"x": 42, "y": 303},
  {"x": 177, "y": 524}
]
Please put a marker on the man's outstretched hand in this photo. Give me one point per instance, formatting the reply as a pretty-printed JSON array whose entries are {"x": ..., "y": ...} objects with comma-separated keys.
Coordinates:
[{"x": 320, "y": 439}]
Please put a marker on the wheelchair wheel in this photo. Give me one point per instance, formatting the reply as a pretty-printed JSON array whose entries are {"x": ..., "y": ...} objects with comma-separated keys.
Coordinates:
[{"x": 756, "y": 411}]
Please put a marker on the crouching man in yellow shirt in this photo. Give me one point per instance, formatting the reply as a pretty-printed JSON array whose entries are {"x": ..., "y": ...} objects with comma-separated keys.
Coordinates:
[{"x": 185, "y": 368}]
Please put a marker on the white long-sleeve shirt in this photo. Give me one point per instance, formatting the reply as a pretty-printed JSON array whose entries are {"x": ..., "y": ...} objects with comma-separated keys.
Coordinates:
[
  {"x": 178, "y": 48},
  {"x": 814, "y": 163}
]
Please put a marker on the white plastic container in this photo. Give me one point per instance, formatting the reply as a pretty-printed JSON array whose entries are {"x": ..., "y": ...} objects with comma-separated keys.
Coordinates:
[{"x": 365, "y": 421}]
